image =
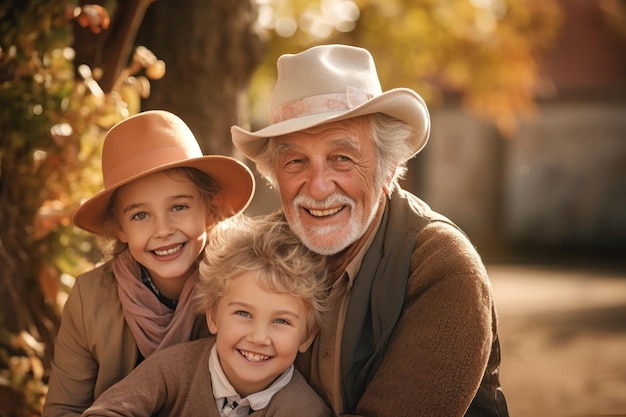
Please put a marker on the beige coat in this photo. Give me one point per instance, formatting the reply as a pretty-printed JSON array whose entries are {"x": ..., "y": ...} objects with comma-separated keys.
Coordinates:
[
  {"x": 176, "y": 382},
  {"x": 94, "y": 347}
]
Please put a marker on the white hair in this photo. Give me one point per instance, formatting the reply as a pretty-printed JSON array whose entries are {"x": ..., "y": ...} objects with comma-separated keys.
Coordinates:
[{"x": 393, "y": 150}]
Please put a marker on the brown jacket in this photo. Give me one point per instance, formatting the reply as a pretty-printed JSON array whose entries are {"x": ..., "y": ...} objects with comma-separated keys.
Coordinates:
[
  {"x": 176, "y": 382},
  {"x": 94, "y": 348},
  {"x": 442, "y": 346}
]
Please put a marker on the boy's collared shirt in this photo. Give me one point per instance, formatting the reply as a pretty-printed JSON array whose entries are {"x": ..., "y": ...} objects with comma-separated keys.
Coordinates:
[{"x": 229, "y": 402}]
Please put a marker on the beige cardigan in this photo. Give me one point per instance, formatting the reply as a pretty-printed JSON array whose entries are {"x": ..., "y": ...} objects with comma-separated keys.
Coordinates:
[{"x": 94, "y": 348}]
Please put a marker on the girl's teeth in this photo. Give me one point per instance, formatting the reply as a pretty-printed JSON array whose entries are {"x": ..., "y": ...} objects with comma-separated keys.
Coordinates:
[{"x": 169, "y": 251}]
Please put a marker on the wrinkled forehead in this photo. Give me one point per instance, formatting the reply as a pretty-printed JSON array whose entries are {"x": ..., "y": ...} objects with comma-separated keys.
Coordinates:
[{"x": 354, "y": 133}]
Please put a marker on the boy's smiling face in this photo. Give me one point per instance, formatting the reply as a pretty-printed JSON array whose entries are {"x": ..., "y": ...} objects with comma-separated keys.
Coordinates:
[{"x": 259, "y": 333}]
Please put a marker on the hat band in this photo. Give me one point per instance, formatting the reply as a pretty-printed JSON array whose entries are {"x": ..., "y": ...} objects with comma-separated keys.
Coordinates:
[{"x": 353, "y": 97}]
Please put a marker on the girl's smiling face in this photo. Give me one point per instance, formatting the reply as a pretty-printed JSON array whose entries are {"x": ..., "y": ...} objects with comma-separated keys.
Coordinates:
[
  {"x": 259, "y": 333},
  {"x": 164, "y": 220}
]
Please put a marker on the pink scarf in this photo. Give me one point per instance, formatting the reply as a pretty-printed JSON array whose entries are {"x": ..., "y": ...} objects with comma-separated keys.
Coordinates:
[{"x": 154, "y": 325}]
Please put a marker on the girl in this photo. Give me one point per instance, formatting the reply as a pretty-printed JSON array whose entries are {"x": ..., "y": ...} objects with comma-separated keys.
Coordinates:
[{"x": 160, "y": 197}]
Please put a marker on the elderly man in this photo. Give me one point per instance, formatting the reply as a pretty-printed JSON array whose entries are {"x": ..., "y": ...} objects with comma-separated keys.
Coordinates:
[{"x": 411, "y": 328}]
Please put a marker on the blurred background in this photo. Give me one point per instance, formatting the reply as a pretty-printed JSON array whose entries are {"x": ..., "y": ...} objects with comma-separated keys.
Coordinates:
[{"x": 527, "y": 154}]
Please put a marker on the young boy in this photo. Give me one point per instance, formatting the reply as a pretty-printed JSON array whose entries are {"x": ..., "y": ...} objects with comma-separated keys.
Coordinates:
[{"x": 262, "y": 293}]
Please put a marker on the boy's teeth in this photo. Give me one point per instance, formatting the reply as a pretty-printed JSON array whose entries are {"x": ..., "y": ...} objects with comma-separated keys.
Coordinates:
[
  {"x": 254, "y": 357},
  {"x": 327, "y": 212},
  {"x": 169, "y": 251}
]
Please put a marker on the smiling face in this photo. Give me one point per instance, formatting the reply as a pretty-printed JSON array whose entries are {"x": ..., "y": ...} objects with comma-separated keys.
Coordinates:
[
  {"x": 327, "y": 178},
  {"x": 163, "y": 218},
  {"x": 259, "y": 333}
]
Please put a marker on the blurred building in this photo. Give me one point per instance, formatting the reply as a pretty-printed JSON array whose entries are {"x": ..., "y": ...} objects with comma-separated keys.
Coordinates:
[{"x": 559, "y": 185}]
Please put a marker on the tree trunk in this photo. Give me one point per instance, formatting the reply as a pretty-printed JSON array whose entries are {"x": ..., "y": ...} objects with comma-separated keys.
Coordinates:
[{"x": 211, "y": 50}]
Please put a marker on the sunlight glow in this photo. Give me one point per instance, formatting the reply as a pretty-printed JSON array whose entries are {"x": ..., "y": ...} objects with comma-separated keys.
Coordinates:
[
  {"x": 488, "y": 14},
  {"x": 496, "y": 7},
  {"x": 318, "y": 19},
  {"x": 285, "y": 26},
  {"x": 266, "y": 16}
]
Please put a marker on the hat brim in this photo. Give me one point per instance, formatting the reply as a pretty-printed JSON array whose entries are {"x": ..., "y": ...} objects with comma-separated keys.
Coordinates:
[
  {"x": 234, "y": 180},
  {"x": 402, "y": 103}
]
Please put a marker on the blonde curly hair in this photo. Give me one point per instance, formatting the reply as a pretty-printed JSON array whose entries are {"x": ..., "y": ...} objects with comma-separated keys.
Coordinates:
[{"x": 266, "y": 247}]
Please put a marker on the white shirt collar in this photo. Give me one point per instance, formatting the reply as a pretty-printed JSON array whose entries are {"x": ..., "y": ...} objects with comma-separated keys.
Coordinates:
[{"x": 223, "y": 389}]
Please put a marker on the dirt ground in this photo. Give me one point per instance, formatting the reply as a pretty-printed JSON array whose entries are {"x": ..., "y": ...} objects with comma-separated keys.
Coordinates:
[{"x": 563, "y": 339}]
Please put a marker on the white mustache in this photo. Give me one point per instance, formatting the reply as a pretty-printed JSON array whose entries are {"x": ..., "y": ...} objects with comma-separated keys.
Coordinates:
[{"x": 332, "y": 200}]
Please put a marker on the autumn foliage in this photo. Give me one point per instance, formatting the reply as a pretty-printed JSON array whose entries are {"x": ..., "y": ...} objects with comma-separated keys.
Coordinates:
[{"x": 55, "y": 107}]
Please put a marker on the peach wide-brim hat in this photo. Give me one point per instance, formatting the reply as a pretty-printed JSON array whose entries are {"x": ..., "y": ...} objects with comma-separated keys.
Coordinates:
[
  {"x": 329, "y": 83},
  {"x": 153, "y": 141}
]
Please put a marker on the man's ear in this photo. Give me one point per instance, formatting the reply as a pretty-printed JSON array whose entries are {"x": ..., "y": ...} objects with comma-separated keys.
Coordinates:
[
  {"x": 309, "y": 340},
  {"x": 210, "y": 320},
  {"x": 388, "y": 179}
]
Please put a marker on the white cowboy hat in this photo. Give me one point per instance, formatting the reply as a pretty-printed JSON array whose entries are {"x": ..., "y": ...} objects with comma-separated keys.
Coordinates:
[
  {"x": 326, "y": 84},
  {"x": 153, "y": 141}
]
